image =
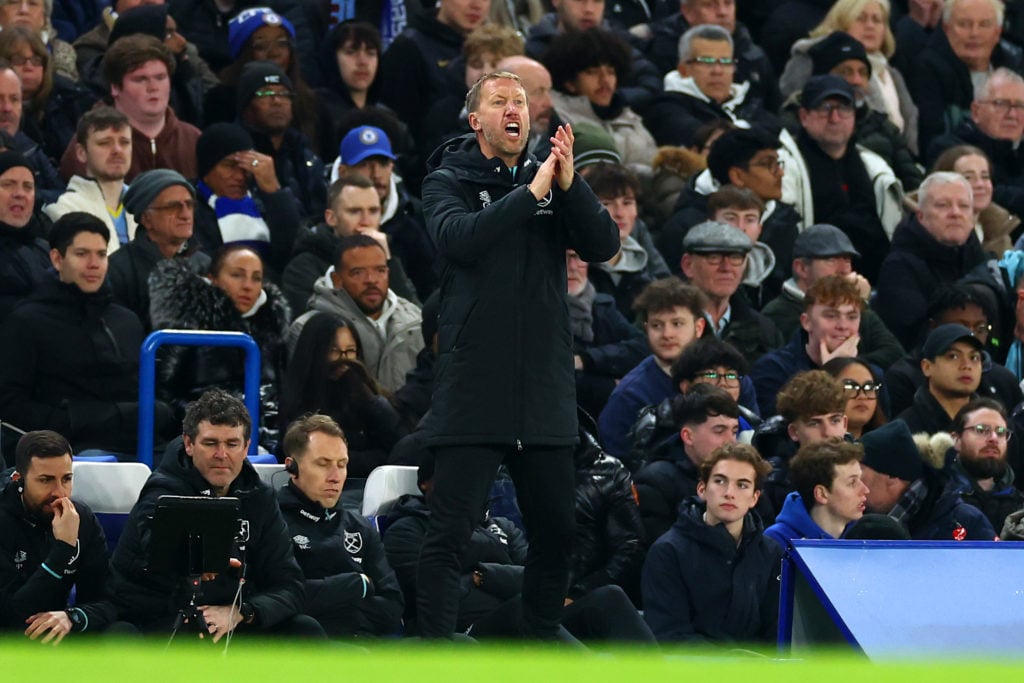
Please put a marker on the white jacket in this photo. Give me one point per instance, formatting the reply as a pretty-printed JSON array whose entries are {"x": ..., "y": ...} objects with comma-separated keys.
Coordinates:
[
  {"x": 796, "y": 186},
  {"x": 635, "y": 143},
  {"x": 84, "y": 195}
]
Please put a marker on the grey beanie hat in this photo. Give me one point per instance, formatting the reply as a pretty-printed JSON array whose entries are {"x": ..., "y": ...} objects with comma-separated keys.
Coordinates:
[{"x": 146, "y": 186}]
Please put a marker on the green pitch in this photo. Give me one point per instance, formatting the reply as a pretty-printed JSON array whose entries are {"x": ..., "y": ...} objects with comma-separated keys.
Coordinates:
[{"x": 148, "y": 662}]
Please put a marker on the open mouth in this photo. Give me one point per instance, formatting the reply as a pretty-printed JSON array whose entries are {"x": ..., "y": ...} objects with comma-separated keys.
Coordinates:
[{"x": 512, "y": 130}]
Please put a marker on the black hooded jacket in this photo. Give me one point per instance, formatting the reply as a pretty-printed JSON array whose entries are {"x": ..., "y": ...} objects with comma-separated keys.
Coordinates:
[
  {"x": 335, "y": 548},
  {"x": 504, "y": 366},
  {"x": 699, "y": 585},
  {"x": 273, "y": 579}
]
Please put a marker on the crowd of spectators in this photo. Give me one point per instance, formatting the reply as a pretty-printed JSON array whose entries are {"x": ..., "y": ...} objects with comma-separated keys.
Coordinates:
[{"x": 815, "y": 310}]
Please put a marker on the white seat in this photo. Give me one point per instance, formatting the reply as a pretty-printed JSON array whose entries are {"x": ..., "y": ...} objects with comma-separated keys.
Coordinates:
[
  {"x": 385, "y": 485},
  {"x": 109, "y": 487},
  {"x": 267, "y": 473}
]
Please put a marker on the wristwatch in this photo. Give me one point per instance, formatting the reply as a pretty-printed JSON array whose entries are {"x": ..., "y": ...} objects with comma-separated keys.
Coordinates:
[
  {"x": 248, "y": 613},
  {"x": 78, "y": 619}
]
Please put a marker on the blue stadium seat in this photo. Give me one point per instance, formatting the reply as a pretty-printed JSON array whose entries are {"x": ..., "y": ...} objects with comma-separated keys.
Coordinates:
[{"x": 385, "y": 485}]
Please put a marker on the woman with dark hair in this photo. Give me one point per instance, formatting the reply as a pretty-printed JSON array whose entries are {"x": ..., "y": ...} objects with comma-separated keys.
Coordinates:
[
  {"x": 51, "y": 103},
  {"x": 350, "y": 58},
  {"x": 260, "y": 34},
  {"x": 863, "y": 388},
  {"x": 588, "y": 69},
  {"x": 327, "y": 375},
  {"x": 233, "y": 297}
]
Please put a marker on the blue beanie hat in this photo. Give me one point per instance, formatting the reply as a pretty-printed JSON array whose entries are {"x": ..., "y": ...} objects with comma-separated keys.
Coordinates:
[{"x": 248, "y": 21}]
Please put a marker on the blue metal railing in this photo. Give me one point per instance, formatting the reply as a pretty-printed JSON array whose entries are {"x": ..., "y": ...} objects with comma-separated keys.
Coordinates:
[{"x": 147, "y": 378}]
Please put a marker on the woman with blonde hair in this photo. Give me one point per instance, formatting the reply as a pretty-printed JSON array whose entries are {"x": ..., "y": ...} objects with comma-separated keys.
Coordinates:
[{"x": 868, "y": 22}]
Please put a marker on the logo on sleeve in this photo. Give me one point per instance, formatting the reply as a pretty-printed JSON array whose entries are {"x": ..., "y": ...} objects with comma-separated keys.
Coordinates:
[
  {"x": 353, "y": 542},
  {"x": 485, "y": 198},
  {"x": 301, "y": 541},
  {"x": 20, "y": 558}
]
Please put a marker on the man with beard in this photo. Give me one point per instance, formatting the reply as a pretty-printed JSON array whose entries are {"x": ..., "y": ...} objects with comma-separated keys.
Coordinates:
[
  {"x": 504, "y": 389},
  {"x": 265, "y": 110},
  {"x": 537, "y": 81},
  {"x": 50, "y": 546},
  {"x": 977, "y": 461},
  {"x": 103, "y": 142},
  {"x": 353, "y": 207},
  {"x": 357, "y": 289}
]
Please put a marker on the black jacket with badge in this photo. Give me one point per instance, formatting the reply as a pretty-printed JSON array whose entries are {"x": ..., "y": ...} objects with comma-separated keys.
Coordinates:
[
  {"x": 29, "y": 557},
  {"x": 504, "y": 367},
  {"x": 273, "y": 579},
  {"x": 335, "y": 548}
]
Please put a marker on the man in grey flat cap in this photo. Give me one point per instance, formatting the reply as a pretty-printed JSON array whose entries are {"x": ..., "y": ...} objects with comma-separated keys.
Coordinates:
[
  {"x": 714, "y": 257},
  {"x": 163, "y": 204}
]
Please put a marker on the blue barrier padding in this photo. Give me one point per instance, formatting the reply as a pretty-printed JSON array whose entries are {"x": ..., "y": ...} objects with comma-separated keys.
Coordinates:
[
  {"x": 147, "y": 377},
  {"x": 906, "y": 598},
  {"x": 263, "y": 459},
  {"x": 94, "y": 458}
]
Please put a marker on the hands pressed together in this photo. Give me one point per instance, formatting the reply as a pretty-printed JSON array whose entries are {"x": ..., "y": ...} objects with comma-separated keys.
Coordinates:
[{"x": 558, "y": 167}]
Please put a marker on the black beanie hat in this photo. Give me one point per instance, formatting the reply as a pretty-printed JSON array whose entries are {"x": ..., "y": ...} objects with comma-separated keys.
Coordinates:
[
  {"x": 256, "y": 75},
  {"x": 11, "y": 159},
  {"x": 890, "y": 449},
  {"x": 218, "y": 141},
  {"x": 835, "y": 49},
  {"x": 150, "y": 20}
]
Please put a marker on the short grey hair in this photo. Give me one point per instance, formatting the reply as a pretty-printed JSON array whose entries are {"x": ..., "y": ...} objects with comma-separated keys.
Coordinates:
[
  {"x": 1001, "y": 75},
  {"x": 942, "y": 178},
  {"x": 704, "y": 32},
  {"x": 997, "y": 5}
]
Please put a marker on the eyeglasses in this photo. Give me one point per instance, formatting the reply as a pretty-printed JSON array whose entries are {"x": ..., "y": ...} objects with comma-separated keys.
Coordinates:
[
  {"x": 270, "y": 45},
  {"x": 1005, "y": 106},
  {"x": 711, "y": 61},
  {"x": 772, "y": 165},
  {"x": 725, "y": 379},
  {"x": 175, "y": 207},
  {"x": 870, "y": 389},
  {"x": 985, "y": 431},
  {"x": 18, "y": 60},
  {"x": 844, "y": 109},
  {"x": 731, "y": 259},
  {"x": 281, "y": 94}
]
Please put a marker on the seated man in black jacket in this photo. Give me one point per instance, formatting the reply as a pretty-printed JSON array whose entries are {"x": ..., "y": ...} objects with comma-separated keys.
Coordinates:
[
  {"x": 350, "y": 588},
  {"x": 50, "y": 547},
  {"x": 71, "y": 355},
  {"x": 263, "y": 592}
]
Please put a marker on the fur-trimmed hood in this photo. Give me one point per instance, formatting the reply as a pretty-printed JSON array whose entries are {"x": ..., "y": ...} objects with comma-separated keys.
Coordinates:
[
  {"x": 180, "y": 299},
  {"x": 933, "y": 447},
  {"x": 183, "y": 300}
]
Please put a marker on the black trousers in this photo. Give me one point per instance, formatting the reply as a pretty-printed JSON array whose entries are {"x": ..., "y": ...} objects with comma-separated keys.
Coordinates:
[{"x": 544, "y": 480}]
